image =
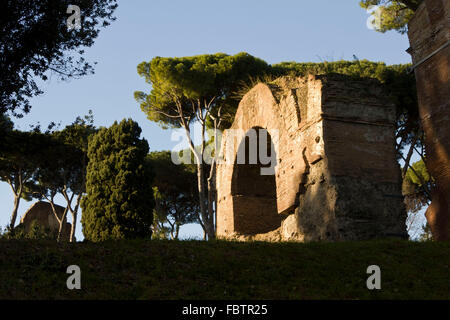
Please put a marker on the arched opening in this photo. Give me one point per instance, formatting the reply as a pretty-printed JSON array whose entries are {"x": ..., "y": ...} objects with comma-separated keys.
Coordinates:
[{"x": 253, "y": 185}]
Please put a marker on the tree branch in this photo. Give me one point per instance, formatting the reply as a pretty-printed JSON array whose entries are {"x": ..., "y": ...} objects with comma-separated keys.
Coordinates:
[
  {"x": 408, "y": 157},
  {"x": 166, "y": 114}
]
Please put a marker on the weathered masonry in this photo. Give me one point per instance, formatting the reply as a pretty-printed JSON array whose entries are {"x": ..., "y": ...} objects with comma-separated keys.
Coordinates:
[
  {"x": 429, "y": 36},
  {"x": 335, "y": 174}
]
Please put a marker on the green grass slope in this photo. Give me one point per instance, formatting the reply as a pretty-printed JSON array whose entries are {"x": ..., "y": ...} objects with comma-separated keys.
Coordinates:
[{"x": 224, "y": 270}]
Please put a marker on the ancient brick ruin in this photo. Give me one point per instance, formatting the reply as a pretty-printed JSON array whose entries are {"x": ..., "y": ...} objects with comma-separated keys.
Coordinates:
[
  {"x": 335, "y": 177},
  {"x": 42, "y": 213},
  {"x": 429, "y": 36}
]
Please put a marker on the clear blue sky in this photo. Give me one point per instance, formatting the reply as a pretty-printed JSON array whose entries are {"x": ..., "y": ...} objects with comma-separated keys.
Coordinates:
[{"x": 276, "y": 31}]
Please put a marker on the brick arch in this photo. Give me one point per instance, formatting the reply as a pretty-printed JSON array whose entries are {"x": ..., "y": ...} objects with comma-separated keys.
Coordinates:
[
  {"x": 253, "y": 184},
  {"x": 260, "y": 108}
]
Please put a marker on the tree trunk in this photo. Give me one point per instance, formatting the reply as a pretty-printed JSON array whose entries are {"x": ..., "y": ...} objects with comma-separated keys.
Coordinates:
[
  {"x": 14, "y": 213},
  {"x": 74, "y": 223},
  {"x": 202, "y": 199},
  {"x": 74, "y": 218},
  {"x": 203, "y": 228},
  {"x": 60, "y": 221},
  {"x": 408, "y": 157},
  {"x": 17, "y": 195},
  {"x": 172, "y": 230},
  {"x": 211, "y": 193},
  {"x": 61, "y": 225},
  {"x": 208, "y": 223},
  {"x": 177, "y": 231}
]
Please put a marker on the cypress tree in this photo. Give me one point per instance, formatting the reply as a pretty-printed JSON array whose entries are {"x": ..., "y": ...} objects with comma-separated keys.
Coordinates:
[{"x": 119, "y": 201}]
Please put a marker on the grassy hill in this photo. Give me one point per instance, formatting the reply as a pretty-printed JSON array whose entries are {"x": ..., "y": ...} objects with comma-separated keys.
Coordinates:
[{"x": 224, "y": 270}]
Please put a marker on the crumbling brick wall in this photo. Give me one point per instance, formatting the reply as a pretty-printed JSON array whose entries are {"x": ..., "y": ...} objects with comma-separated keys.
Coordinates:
[
  {"x": 429, "y": 36},
  {"x": 335, "y": 176}
]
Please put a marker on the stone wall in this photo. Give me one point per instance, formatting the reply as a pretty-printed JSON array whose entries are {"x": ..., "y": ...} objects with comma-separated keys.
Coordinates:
[
  {"x": 429, "y": 36},
  {"x": 336, "y": 176}
]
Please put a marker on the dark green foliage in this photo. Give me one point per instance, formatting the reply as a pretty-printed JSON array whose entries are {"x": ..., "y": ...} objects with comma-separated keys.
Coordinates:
[
  {"x": 21, "y": 156},
  {"x": 20, "y": 152},
  {"x": 34, "y": 39},
  {"x": 426, "y": 233},
  {"x": 416, "y": 186},
  {"x": 176, "y": 195},
  {"x": 41, "y": 165},
  {"x": 119, "y": 201},
  {"x": 35, "y": 232},
  {"x": 5, "y": 124},
  {"x": 66, "y": 167},
  {"x": 194, "y": 79},
  {"x": 77, "y": 134},
  {"x": 61, "y": 167}
]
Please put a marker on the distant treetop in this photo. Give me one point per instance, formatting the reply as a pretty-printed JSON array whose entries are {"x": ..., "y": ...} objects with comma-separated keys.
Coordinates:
[{"x": 393, "y": 14}]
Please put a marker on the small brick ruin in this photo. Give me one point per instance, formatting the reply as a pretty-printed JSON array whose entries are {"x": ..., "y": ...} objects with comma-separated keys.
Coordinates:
[
  {"x": 335, "y": 175},
  {"x": 42, "y": 213}
]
